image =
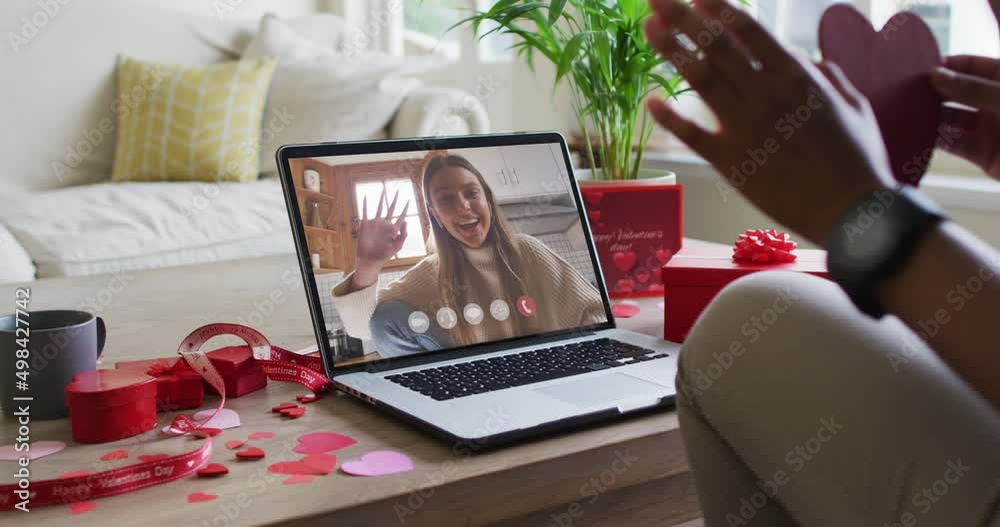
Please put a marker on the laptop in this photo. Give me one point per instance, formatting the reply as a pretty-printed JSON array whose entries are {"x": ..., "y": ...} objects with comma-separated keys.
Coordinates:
[{"x": 454, "y": 283}]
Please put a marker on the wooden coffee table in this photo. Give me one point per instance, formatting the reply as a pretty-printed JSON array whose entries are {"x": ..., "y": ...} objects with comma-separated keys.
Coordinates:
[{"x": 573, "y": 478}]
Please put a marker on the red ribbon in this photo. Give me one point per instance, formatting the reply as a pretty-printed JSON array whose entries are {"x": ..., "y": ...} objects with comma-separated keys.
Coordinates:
[{"x": 767, "y": 247}]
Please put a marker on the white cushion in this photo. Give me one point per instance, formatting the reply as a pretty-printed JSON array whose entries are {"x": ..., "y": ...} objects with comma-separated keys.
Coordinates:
[
  {"x": 112, "y": 227},
  {"x": 319, "y": 94},
  {"x": 58, "y": 101},
  {"x": 17, "y": 266},
  {"x": 233, "y": 36}
]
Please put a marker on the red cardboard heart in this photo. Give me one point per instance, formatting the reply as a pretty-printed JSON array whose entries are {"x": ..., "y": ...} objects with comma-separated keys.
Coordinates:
[
  {"x": 115, "y": 454},
  {"x": 307, "y": 398},
  {"x": 313, "y": 464},
  {"x": 282, "y": 406},
  {"x": 892, "y": 69},
  {"x": 80, "y": 507},
  {"x": 213, "y": 470},
  {"x": 251, "y": 453},
  {"x": 233, "y": 444},
  {"x": 196, "y": 497},
  {"x": 294, "y": 413},
  {"x": 320, "y": 442}
]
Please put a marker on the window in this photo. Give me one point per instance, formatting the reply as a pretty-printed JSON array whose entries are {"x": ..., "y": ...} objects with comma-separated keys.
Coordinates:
[
  {"x": 415, "y": 245},
  {"x": 426, "y": 26}
]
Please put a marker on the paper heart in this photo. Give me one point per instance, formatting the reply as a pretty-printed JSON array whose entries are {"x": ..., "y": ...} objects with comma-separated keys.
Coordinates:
[
  {"x": 307, "y": 398},
  {"x": 213, "y": 470},
  {"x": 892, "y": 69},
  {"x": 378, "y": 463},
  {"x": 625, "y": 310},
  {"x": 641, "y": 275},
  {"x": 297, "y": 478},
  {"x": 197, "y": 497},
  {"x": 320, "y": 442},
  {"x": 261, "y": 435},
  {"x": 149, "y": 458},
  {"x": 224, "y": 420},
  {"x": 313, "y": 464},
  {"x": 664, "y": 255},
  {"x": 294, "y": 413},
  {"x": 251, "y": 453},
  {"x": 36, "y": 450},
  {"x": 80, "y": 507},
  {"x": 282, "y": 406},
  {"x": 115, "y": 454},
  {"x": 233, "y": 444},
  {"x": 624, "y": 260}
]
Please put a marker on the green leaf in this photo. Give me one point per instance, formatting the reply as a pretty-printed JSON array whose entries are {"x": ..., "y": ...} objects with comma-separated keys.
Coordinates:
[
  {"x": 556, "y": 10},
  {"x": 570, "y": 53}
]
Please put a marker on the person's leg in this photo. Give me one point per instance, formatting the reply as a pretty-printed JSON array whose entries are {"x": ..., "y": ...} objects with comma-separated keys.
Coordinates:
[
  {"x": 390, "y": 329},
  {"x": 797, "y": 408}
]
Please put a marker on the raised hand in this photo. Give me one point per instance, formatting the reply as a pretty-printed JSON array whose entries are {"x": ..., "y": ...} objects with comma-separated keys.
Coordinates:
[
  {"x": 971, "y": 134},
  {"x": 379, "y": 239},
  {"x": 799, "y": 141}
]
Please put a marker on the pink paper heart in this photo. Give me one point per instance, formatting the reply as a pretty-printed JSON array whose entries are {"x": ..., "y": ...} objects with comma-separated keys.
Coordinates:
[
  {"x": 378, "y": 463},
  {"x": 36, "y": 450},
  {"x": 80, "y": 507},
  {"x": 624, "y": 261},
  {"x": 321, "y": 442},
  {"x": 892, "y": 69},
  {"x": 625, "y": 310}
]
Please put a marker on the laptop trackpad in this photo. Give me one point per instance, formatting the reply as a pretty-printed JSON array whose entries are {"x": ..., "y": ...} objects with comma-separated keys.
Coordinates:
[{"x": 603, "y": 389}]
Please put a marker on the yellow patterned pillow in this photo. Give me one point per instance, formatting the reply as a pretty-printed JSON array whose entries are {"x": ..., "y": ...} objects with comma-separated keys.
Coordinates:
[{"x": 190, "y": 123}]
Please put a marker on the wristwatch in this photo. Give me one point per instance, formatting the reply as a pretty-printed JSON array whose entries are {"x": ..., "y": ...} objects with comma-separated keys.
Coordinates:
[{"x": 874, "y": 239}]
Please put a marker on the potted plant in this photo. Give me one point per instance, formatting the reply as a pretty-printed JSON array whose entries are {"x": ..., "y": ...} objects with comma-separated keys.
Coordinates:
[{"x": 599, "y": 46}]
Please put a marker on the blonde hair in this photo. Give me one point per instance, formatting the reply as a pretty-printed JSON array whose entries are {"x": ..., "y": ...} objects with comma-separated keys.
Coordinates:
[{"x": 452, "y": 260}]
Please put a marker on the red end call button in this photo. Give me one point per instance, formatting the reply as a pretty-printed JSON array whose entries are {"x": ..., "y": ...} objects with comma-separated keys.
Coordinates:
[{"x": 526, "y": 306}]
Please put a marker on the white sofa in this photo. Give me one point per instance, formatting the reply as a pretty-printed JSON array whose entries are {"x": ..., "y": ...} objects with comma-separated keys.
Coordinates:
[{"x": 57, "y": 101}]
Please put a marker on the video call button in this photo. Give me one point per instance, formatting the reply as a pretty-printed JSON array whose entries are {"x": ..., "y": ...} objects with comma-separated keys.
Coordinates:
[
  {"x": 526, "y": 306},
  {"x": 473, "y": 314},
  {"x": 419, "y": 322},
  {"x": 447, "y": 318},
  {"x": 500, "y": 310}
]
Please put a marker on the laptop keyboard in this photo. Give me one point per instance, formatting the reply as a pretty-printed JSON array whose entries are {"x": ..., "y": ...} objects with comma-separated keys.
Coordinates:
[{"x": 508, "y": 371}]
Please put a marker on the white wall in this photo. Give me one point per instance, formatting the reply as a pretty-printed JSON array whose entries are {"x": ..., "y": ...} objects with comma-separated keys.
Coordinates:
[{"x": 237, "y": 8}]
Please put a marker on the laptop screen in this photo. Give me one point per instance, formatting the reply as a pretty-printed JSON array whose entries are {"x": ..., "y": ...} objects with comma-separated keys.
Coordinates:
[{"x": 422, "y": 251}]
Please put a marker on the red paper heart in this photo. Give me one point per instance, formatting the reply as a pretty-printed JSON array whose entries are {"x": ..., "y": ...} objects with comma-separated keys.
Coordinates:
[
  {"x": 251, "y": 453},
  {"x": 261, "y": 435},
  {"x": 307, "y": 398},
  {"x": 320, "y": 442},
  {"x": 313, "y": 464},
  {"x": 148, "y": 458},
  {"x": 212, "y": 470},
  {"x": 80, "y": 507},
  {"x": 297, "y": 478},
  {"x": 625, "y": 261},
  {"x": 294, "y": 413},
  {"x": 625, "y": 310},
  {"x": 233, "y": 444},
  {"x": 892, "y": 69},
  {"x": 115, "y": 454},
  {"x": 197, "y": 497},
  {"x": 282, "y": 406}
]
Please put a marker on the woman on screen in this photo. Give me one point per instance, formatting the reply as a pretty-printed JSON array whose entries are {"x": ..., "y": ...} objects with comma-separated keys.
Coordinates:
[{"x": 484, "y": 283}]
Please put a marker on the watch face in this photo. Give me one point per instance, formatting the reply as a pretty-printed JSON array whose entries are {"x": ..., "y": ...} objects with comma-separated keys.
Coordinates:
[{"x": 874, "y": 245}]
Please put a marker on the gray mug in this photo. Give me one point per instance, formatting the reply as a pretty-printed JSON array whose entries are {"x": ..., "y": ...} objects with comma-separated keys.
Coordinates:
[{"x": 60, "y": 344}]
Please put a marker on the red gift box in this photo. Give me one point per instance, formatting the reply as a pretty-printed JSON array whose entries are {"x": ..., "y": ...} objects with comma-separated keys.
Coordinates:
[
  {"x": 695, "y": 275},
  {"x": 178, "y": 387},
  {"x": 240, "y": 371},
  {"x": 108, "y": 405}
]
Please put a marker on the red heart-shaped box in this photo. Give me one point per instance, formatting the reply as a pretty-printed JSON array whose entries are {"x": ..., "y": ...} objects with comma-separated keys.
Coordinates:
[
  {"x": 108, "y": 405},
  {"x": 892, "y": 69}
]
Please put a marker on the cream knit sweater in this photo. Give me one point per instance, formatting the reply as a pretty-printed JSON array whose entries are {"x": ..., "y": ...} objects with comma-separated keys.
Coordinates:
[{"x": 564, "y": 299}]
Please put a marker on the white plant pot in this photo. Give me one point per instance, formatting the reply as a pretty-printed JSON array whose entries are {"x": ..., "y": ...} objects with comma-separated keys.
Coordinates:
[{"x": 647, "y": 176}]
